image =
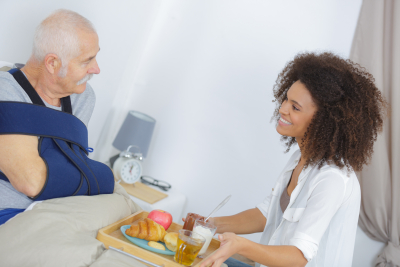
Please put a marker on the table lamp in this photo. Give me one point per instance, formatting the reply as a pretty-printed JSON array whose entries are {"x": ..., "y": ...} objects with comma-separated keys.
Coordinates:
[{"x": 136, "y": 131}]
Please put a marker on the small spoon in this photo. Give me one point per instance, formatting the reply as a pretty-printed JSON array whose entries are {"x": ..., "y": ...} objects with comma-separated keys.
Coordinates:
[{"x": 219, "y": 206}]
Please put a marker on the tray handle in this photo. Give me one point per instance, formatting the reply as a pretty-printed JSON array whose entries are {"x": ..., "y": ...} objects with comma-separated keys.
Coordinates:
[{"x": 135, "y": 257}]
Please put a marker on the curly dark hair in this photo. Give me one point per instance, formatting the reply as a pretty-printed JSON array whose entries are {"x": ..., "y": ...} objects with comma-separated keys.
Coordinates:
[{"x": 350, "y": 109}]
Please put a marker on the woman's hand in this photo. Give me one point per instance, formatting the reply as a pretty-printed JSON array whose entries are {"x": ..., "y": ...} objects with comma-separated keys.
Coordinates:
[
  {"x": 247, "y": 222},
  {"x": 230, "y": 244}
]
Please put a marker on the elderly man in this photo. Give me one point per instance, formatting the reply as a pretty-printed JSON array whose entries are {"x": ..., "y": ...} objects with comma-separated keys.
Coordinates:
[{"x": 63, "y": 60}]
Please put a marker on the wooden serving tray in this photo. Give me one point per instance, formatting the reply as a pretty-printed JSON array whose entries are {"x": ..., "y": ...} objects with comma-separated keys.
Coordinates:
[{"x": 111, "y": 236}]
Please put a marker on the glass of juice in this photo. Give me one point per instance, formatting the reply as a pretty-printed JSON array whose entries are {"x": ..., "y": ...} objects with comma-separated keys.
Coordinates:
[
  {"x": 189, "y": 245},
  {"x": 207, "y": 230}
]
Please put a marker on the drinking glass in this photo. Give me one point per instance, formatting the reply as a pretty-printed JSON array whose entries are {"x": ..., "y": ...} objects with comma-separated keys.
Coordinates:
[
  {"x": 189, "y": 245},
  {"x": 207, "y": 230}
]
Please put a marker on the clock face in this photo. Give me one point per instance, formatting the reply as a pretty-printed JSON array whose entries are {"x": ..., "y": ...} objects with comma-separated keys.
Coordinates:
[{"x": 131, "y": 171}]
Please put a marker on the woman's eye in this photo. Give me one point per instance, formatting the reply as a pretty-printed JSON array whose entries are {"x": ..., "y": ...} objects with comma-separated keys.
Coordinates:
[{"x": 294, "y": 107}]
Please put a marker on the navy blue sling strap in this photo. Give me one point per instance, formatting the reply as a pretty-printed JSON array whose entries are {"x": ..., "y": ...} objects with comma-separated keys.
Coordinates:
[
  {"x": 7, "y": 214},
  {"x": 33, "y": 95},
  {"x": 63, "y": 145}
]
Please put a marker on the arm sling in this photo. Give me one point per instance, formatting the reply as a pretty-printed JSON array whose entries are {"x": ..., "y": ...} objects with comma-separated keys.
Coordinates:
[{"x": 63, "y": 143}]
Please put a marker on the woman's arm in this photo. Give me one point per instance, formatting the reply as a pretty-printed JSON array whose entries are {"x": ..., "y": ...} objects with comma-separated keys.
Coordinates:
[
  {"x": 272, "y": 256},
  {"x": 246, "y": 222}
]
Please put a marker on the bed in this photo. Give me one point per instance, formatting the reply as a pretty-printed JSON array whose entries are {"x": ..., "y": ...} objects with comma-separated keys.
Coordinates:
[{"x": 62, "y": 232}]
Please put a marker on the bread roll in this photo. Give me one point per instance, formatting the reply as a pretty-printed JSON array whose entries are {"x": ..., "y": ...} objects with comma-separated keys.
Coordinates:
[{"x": 171, "y": 241}]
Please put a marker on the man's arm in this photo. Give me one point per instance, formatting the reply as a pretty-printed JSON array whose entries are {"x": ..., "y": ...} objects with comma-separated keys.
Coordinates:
[
  {"x": 21, "y": 163},
  {"x": 247, "y": 222}
]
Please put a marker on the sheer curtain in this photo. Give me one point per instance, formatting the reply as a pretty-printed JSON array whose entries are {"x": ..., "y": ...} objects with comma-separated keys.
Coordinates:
[
  {"x": 121, "y": 102},
  {"x": 376, "y": 47}
]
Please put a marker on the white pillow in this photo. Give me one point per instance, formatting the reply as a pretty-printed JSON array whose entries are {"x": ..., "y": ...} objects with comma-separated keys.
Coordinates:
[{"x": 6, "y": 64}]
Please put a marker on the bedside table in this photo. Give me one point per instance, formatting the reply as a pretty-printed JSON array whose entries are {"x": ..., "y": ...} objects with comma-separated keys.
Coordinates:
[{"x": 174, "y": 203}]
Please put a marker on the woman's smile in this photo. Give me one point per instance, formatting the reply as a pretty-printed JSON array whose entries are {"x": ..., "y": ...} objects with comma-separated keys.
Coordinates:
[{"x": 284, "y": 122}]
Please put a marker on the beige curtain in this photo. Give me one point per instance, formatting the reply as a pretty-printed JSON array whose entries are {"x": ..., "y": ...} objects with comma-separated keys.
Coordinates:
[{"x": 376, "y": 46}]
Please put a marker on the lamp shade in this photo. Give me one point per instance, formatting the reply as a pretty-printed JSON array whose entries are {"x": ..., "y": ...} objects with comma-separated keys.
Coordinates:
[{"x": 136, "y": 130}]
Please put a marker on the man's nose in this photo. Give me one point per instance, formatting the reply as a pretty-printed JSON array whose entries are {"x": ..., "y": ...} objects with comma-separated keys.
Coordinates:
[{"x": 94, "y": 69}]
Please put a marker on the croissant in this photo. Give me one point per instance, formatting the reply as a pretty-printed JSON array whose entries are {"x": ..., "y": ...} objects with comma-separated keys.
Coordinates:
[{"x": 148, "y": 230}]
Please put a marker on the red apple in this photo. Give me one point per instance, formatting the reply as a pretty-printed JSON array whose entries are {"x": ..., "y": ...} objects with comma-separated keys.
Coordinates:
[{"x": 161, "y": 217}]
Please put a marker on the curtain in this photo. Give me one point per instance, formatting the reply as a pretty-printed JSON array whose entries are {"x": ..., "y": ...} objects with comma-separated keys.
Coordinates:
[
  {"x": 121, "y": 103},
  {"x": 376, "y": 47}
]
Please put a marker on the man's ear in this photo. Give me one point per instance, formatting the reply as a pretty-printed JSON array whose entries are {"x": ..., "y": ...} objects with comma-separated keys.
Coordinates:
[{"x": 52, "y": 63}]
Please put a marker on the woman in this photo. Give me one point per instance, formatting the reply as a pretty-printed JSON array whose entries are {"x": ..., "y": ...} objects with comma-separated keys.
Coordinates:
[{"x": 331, "y": 108}]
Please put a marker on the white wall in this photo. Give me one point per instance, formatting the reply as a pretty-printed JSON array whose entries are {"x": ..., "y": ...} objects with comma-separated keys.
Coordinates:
[
  {"x": 205, "y": 71},
  {"x": 123, "y": 28}
]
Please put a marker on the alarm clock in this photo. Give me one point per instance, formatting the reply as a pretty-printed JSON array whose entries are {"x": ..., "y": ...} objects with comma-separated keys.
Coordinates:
[{"x": 127, "y": 167}]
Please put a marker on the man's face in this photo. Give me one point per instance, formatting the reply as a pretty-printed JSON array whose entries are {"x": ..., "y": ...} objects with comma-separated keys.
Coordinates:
[{"x": 81, "y": 68}]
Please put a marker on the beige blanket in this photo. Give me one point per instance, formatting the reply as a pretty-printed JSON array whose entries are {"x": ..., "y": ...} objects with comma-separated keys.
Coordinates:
[{"x": 62, "y": 232}]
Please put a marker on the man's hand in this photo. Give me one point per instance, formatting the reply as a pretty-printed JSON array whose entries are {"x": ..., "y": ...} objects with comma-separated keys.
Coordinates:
[
  {"x": 230, "y": 245},
  {"x": 21, "y": 163}
]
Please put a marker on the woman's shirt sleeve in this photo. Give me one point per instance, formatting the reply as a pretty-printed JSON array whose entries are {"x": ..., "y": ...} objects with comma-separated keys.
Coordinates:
[
  {"x": 264, "y": 206},
  {"x": 325, "y": 199}
]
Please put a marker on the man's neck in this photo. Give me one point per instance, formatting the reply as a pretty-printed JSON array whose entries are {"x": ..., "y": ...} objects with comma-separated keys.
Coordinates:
[{"x": 43, "y": 84}]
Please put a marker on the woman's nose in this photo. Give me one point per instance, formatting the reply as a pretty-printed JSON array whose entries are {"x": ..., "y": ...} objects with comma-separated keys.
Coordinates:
[{"x": 283, "y": 109}]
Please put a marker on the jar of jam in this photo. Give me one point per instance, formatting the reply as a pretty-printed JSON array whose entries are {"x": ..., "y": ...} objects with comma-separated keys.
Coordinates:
[{"x": 190, "y": 219}]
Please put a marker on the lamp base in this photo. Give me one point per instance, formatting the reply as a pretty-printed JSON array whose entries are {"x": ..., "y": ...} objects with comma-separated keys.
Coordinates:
[{"x": 112, "y": 160}]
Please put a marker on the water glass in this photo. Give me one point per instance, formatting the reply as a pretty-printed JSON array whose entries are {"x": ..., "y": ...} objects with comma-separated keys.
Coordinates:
[{"x": 207, "y": 230}]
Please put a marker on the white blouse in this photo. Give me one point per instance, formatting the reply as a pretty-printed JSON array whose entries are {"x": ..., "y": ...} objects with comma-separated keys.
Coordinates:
[{"x": 321, "y": 218}]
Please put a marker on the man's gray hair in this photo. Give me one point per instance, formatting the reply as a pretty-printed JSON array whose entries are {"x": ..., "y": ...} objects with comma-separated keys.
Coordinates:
[{"x": 58, "y": 34}]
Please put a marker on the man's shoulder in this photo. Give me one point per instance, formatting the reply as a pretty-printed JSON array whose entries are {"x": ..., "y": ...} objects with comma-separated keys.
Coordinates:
[
  {"x": 83, "y": 104},
  {"x": 6, "y": 78},
  {"x": 10, "y": 89}
]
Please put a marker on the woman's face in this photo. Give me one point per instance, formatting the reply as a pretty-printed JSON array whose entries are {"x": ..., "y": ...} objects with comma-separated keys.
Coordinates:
[{"x": 296, "y": 112}]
